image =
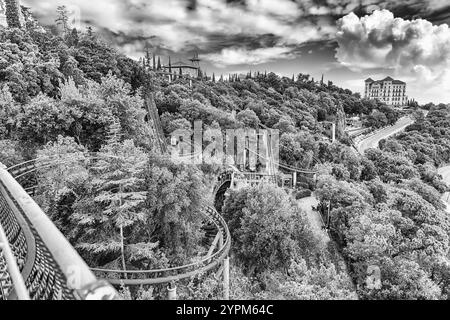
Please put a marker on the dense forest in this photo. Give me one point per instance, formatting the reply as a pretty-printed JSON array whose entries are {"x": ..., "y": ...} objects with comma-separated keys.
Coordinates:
[{"x": 64, "y": 93}]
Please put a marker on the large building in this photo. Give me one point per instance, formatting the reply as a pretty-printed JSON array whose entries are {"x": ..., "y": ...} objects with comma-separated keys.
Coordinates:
[{"x": 390, "y": 91}]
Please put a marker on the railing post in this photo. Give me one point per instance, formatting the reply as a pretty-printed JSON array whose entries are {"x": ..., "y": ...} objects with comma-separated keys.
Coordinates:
[
  {"x": 333, "y": 132},
  {"x": 172, "y": 291},
  {"x": 294, "y": 179},
  {"x": 226, "y": 278}
]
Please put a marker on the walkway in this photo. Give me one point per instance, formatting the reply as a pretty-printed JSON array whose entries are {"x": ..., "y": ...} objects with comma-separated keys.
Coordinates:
[{"x": 445, "y": 172}]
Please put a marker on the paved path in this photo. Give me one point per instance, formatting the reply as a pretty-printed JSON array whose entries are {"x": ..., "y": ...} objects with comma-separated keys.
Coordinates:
[
  {"x": 373, "y": 140},
  {"x": 316, "y": 223},
  {"x": 445, "y": 172}
]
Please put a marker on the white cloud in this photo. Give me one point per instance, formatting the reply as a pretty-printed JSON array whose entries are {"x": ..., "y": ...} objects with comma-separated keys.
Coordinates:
[
  {"x": 414, "y": 49},
  {"x": 237, "y": 56}
]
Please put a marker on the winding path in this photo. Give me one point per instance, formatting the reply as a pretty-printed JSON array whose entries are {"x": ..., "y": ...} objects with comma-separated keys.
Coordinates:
[{"x": 373, "y": 140}]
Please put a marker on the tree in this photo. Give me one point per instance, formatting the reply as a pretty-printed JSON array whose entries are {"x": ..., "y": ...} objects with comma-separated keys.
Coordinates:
[
  {"x": 159, "y": 64},
  {"x": 174, "y": 203},
  {"x": 392, "y": 167},
  {"x": 113, "y": 210},
  {"x": 248, "y": 118},
  {"x": 308, "y": 282},
  {"x": 10, "y": 153},
  {"x": 63, "y": 18},
  {"x": 268, "y": 230},
  {"x": 8, "y": 112}
]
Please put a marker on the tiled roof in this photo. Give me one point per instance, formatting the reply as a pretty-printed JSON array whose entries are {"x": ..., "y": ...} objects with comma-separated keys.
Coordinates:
[{"x": 385, "y": 79}]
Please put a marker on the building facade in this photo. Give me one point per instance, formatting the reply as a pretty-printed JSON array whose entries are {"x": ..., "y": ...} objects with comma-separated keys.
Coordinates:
[
  {"x": 183, "y": 68},
  {"x": 390, "y": 91}
]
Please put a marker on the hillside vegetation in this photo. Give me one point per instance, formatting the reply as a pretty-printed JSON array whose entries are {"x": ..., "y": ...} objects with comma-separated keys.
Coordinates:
[{"x": 67, "y": 94}]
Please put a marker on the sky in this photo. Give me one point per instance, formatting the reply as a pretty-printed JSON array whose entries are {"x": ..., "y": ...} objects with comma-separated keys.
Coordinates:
[{"x": 345, "y": 40}]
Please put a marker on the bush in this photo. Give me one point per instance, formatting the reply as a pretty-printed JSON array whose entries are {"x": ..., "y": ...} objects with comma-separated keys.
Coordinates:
[{"x": 304, "y": 193}]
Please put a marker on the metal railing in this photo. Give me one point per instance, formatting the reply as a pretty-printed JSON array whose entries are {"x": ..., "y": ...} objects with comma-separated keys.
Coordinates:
[{"x": 48, "y": 265}]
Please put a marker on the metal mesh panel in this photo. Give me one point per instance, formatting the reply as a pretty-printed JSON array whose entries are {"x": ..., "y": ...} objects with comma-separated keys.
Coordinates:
[
  {"x": 5, "y": 279},
  {"x": 45, "y": 280}
]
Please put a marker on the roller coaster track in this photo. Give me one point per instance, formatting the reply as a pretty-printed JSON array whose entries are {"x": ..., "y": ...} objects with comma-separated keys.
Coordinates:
[
  {"x": 157, "y": 130},
  {"x": 27, "y": 171}
]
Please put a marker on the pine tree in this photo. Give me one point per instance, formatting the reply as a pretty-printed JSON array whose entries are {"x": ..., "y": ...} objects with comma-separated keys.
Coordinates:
[
  {"x": 63, "y": 18},
  {"x": 90, "y": 32},
  {"x": 73, "y": 38},
  {"x": 148, "y": 57},
  {"x": 159, "y": 63},
  {"x": 116, "y": 200}
]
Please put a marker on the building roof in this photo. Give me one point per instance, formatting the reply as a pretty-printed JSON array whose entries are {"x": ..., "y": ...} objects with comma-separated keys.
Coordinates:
[
  {"x": 387, "y": 79},
  {"x": 181, "y": 64},
  {"x": 384, "y": 80}
]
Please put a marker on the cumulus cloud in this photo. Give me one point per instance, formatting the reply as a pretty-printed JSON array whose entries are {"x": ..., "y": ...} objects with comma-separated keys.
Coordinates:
[{"x": 416, "y": 50}]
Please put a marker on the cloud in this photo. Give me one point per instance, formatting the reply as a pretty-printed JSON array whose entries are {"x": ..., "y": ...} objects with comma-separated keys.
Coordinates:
[
  {"x": 172, "y": 25},
  {"x": 238, "y": 56},
  {"x": 236, "y": 32},
  {"x": 416, "y": 50}
]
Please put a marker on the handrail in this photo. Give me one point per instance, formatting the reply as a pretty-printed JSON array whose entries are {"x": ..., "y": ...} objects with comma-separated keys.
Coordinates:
[{"x": 55, "y": 260}]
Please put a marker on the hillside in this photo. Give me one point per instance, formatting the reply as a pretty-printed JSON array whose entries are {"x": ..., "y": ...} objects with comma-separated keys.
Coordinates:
[{"x": 69, "y": 94}]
